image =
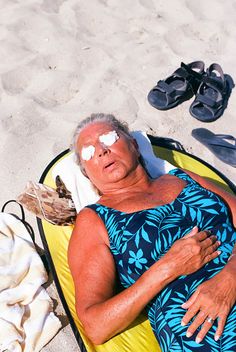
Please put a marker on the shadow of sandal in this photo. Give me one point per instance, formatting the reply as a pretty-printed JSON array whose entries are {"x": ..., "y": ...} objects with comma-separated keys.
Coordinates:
[{"x": 218, "y": 144}]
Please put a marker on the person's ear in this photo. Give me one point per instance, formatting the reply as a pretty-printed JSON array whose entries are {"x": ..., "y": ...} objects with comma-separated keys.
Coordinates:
[
  {"x": 82, "y": 168},
  {"x": 135, "y": 144},
  {"x": 83, "y": 171}
]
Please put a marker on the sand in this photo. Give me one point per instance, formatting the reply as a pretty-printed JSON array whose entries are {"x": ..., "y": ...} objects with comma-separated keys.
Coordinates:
[{"x": 62, "y": 60}]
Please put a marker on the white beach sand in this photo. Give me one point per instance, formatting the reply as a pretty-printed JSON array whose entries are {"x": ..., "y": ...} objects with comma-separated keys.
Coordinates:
[{"x": 62, "y": 60}]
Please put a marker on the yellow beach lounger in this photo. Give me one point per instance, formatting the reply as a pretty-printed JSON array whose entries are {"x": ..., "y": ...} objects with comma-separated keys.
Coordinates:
[{"x": 139, "y": 336}]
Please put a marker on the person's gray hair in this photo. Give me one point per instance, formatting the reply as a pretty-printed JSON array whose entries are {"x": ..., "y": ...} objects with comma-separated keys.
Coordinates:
[{"x": 119, "y": 126}]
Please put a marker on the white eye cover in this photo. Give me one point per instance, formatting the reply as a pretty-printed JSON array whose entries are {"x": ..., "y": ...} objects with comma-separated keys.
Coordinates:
[
  {"x": 109, "y": 138},
  {"x": 88, "y": 152}
]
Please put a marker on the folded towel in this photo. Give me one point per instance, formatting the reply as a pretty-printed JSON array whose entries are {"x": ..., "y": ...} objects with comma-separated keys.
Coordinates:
[
  {"x": 82, "y": 190},
  {"x": 27, "y": 322}
]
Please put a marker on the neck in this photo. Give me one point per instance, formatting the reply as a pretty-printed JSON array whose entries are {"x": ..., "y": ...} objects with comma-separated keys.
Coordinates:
[{"x": 138, "y": 180}]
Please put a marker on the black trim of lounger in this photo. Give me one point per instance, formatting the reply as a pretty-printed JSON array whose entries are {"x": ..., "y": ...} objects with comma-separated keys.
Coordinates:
[{"x": 156, "y": 141}]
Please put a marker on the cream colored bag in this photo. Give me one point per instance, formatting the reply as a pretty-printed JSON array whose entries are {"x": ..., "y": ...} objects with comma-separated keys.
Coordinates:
[{"x": 54, "y": 205}]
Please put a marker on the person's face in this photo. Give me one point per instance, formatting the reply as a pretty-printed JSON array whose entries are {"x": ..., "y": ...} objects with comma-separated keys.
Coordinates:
[{"x": 106, "y": 155}]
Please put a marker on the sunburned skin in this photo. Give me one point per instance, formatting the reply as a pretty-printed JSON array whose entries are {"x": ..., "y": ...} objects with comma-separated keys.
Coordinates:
[{"x": 106, "y": 139}]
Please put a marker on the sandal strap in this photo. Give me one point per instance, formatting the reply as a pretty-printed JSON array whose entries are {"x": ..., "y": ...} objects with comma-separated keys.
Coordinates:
[
  {"x": 227, "y": 136},
  {"x": 185, "y": 72},
  {"x": 182, "y": 72},
  {"x": 197, "y": 75},
  {"x": 208, "y": 101},
  {"x": 217, "y": 68},
  {"x": 215, "y": 83},
  {"x": 223, "y": 144},
  {"x": 168, "y": 89},
  {"x": 165, "y": 87}
]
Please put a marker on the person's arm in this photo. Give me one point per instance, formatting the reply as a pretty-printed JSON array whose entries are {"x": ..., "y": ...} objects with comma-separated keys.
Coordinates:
[
  {"x": 215, "y": 297},
  {"x": 104, "y": 313}
]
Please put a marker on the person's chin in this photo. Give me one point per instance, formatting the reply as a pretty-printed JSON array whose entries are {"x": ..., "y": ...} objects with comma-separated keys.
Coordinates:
[{"x": 114, "y": 174}]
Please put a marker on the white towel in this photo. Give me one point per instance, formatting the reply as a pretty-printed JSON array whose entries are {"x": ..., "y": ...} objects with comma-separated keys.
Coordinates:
[
  {"x": 82, "y": 190},
  {"x": 27, "y": 322}
]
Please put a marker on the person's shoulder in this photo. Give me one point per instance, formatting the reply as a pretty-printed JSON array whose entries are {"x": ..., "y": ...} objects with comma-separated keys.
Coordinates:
[
  {"x": 88, "y": 225},
  {"x": 86, "y": 215}
]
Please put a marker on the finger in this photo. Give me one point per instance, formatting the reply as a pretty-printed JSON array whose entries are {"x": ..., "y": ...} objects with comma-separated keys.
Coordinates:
[
  {"x": 193, "y": 232},
  {"x": 191, "y": 312},
  {"x": 210, "y": 257},
  {"x": 220, "y": 328},
  {"x": 199, "y": 320},
  {"x": 204, "y": 329},
  {"x": 211, "y": 249},
  {"x": 202, "y": 235},
  {"x": 209, "y": 241},
  {"x": 190, "y": 301}
]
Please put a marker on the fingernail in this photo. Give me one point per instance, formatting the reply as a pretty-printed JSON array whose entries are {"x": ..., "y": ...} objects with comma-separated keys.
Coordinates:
[
  {"x": 183, "y": 305},
  {"x": 183, "y": 323},
  {"x": 219, "y": 252},
  {"x": 188, "y": 334},
  {"x": 198, "y": 340},
  {"x": 216, "y": 337}
]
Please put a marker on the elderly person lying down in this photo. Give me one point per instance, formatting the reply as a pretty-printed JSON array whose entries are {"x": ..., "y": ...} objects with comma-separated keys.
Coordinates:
[{"x": 170, "y": 241}]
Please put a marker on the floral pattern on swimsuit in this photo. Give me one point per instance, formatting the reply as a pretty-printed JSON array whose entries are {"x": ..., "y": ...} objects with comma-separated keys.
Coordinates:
[{"x": 139, "y": 239}]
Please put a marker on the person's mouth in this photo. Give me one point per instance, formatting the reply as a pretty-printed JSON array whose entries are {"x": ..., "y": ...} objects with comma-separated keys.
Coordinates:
[{"x": 108, "y": 165}]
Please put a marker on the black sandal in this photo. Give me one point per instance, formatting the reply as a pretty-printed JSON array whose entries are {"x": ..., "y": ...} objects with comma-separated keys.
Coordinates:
[
  {"x": 178, "y": 87},
  {"x": 212, "y": 96}
]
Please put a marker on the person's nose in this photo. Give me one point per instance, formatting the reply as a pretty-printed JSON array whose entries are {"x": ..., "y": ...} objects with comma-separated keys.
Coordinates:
[{"x": 103, "y": 150}]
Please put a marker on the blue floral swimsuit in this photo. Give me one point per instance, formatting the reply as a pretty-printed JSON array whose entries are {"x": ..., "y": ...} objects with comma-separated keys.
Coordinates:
[{"x": 139, "y": 239}]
